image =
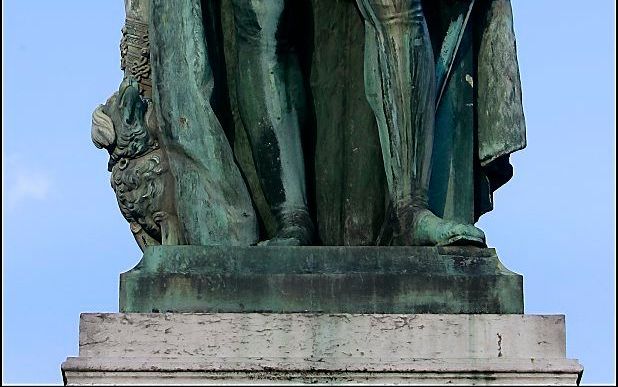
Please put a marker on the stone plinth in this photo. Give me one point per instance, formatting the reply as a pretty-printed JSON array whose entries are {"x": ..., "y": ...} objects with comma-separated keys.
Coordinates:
[
  {"x": 327, "y": 279},
  {"x": 267, "y": 348}
]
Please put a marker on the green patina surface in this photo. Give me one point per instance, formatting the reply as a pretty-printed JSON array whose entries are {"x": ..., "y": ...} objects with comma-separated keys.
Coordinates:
[
  {"x": 213, "y": 204},
  {"x": 478, "y": 124},
  {"x": 286, "y": 84},
  {"x": 321, "y": 279},
  {"x": 328, "y": 161}
]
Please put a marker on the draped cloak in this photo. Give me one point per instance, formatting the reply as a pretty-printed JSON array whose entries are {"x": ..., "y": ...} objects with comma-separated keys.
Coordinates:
[{"x": 479, "y": 121}]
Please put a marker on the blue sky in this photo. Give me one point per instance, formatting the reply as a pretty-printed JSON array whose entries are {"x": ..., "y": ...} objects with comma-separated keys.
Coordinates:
[{"x": 65, "y": 242}]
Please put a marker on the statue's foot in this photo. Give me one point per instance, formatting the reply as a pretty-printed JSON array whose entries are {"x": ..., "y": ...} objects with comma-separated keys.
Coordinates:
[
  {"x": 293, "y": 236},
  {"x": 297, "y": 230},
  {"x": 427, "y": 229}
]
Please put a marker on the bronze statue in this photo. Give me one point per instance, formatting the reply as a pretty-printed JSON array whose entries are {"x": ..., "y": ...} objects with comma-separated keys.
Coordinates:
[{"x": 441, "y": 79}]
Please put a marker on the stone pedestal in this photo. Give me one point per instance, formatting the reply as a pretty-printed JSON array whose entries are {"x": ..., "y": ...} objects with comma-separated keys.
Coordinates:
[
  {"x": 344, "y": 315},
  {"x": 269, "y": 348},
  {"x": 325, "y": 279}
]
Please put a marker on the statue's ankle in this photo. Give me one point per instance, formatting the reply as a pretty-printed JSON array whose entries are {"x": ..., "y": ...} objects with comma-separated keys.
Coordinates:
[
  {"x": 407, "y": 213},
  {"x": 295, "y": 223}
]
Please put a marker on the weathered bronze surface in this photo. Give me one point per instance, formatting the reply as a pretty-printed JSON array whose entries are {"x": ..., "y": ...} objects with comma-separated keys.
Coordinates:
[
  {"x": 293, "y": 124},
  {"x": 375, "y": 122},
  {"x": 405, "y": 148}
]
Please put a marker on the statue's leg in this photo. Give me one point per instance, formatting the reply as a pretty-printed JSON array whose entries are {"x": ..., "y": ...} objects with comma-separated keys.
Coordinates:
[
  {"x": 271, "y": 105},
  {"x": 402, "y": 91}
]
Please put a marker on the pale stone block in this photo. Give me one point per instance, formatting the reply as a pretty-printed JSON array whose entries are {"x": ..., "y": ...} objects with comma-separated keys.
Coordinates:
[{"x": 235, "y": 348}]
